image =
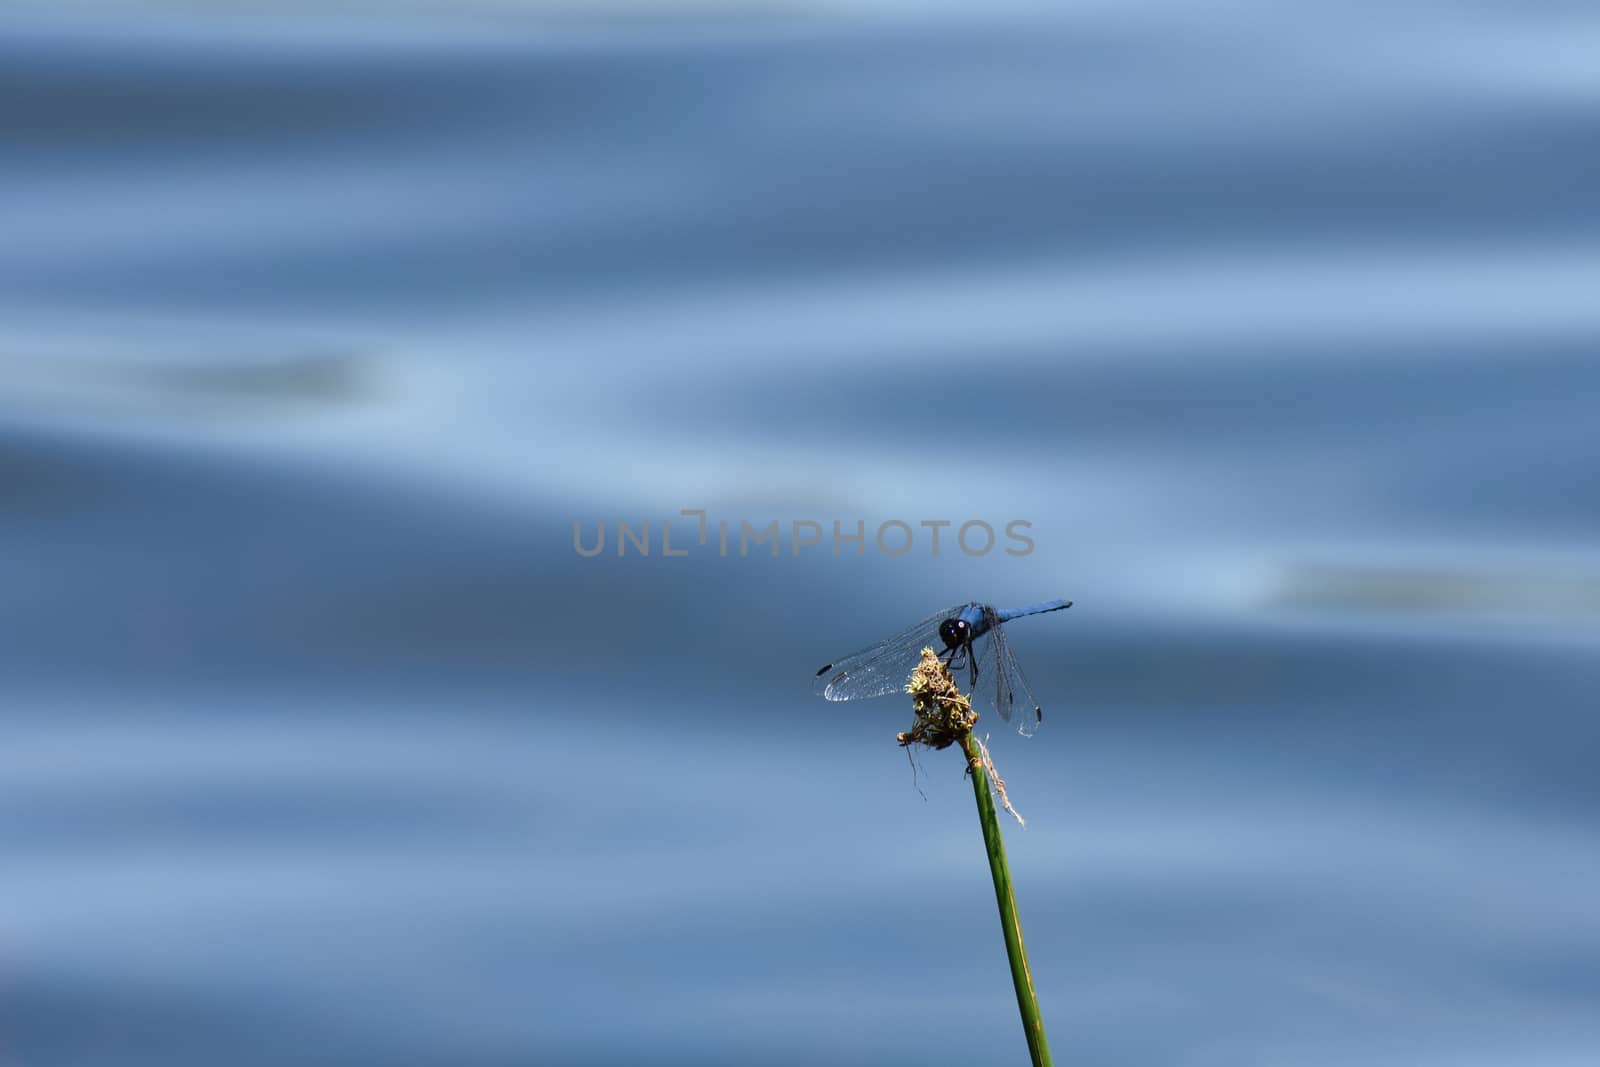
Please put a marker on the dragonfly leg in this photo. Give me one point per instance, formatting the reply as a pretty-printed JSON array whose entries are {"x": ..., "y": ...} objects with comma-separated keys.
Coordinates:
[{"x": 962, "y": 655}]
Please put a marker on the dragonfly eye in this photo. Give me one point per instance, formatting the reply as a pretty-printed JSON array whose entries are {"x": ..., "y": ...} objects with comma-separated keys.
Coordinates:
[{"x": 953, "y": 632}]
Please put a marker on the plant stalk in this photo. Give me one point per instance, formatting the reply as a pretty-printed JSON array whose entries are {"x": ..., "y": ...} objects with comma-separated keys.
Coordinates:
[{"x": 1021, "y": 976}]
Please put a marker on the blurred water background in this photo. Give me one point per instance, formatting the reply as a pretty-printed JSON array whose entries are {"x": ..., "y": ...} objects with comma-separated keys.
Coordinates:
[{"x": 321, "y": 744}]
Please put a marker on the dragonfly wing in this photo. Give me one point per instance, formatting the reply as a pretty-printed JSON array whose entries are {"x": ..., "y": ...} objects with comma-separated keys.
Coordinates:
[
  {"x": 882, "y": 668},
  {"x": 1007, "y": 686}
]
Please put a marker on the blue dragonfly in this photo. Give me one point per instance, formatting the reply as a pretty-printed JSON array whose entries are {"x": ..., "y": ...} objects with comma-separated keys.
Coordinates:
[{"x": 968, "y": 637}]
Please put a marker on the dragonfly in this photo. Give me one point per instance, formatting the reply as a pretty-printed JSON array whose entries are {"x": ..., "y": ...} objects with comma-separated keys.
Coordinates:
[{"x": 969, "y": 637}]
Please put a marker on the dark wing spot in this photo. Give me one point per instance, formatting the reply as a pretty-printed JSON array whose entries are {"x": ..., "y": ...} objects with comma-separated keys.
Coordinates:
[{"x": 824, "y": 669}]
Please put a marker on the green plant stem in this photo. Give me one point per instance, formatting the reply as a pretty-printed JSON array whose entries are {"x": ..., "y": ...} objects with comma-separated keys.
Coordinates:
[{"x": 1021, "y": 977}]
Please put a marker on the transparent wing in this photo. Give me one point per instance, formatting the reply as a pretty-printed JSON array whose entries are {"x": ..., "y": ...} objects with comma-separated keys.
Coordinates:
[
  {"x": 884, "y": 667},
  {"x": 1006, "y": 686}
]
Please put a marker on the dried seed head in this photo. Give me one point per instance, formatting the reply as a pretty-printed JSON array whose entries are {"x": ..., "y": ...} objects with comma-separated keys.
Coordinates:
[{"x": 944, "y": 715}]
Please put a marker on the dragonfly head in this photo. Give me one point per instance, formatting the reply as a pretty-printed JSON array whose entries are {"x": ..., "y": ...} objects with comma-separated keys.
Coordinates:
[{"x": 955, "y": 633}]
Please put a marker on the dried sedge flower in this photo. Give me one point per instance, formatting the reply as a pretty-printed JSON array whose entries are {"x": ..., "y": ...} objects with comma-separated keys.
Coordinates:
[{"x": 944, "y": 715}]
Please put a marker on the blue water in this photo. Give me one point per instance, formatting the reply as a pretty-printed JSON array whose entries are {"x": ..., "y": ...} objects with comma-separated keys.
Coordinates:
[{"x": 320, "y": 743}]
